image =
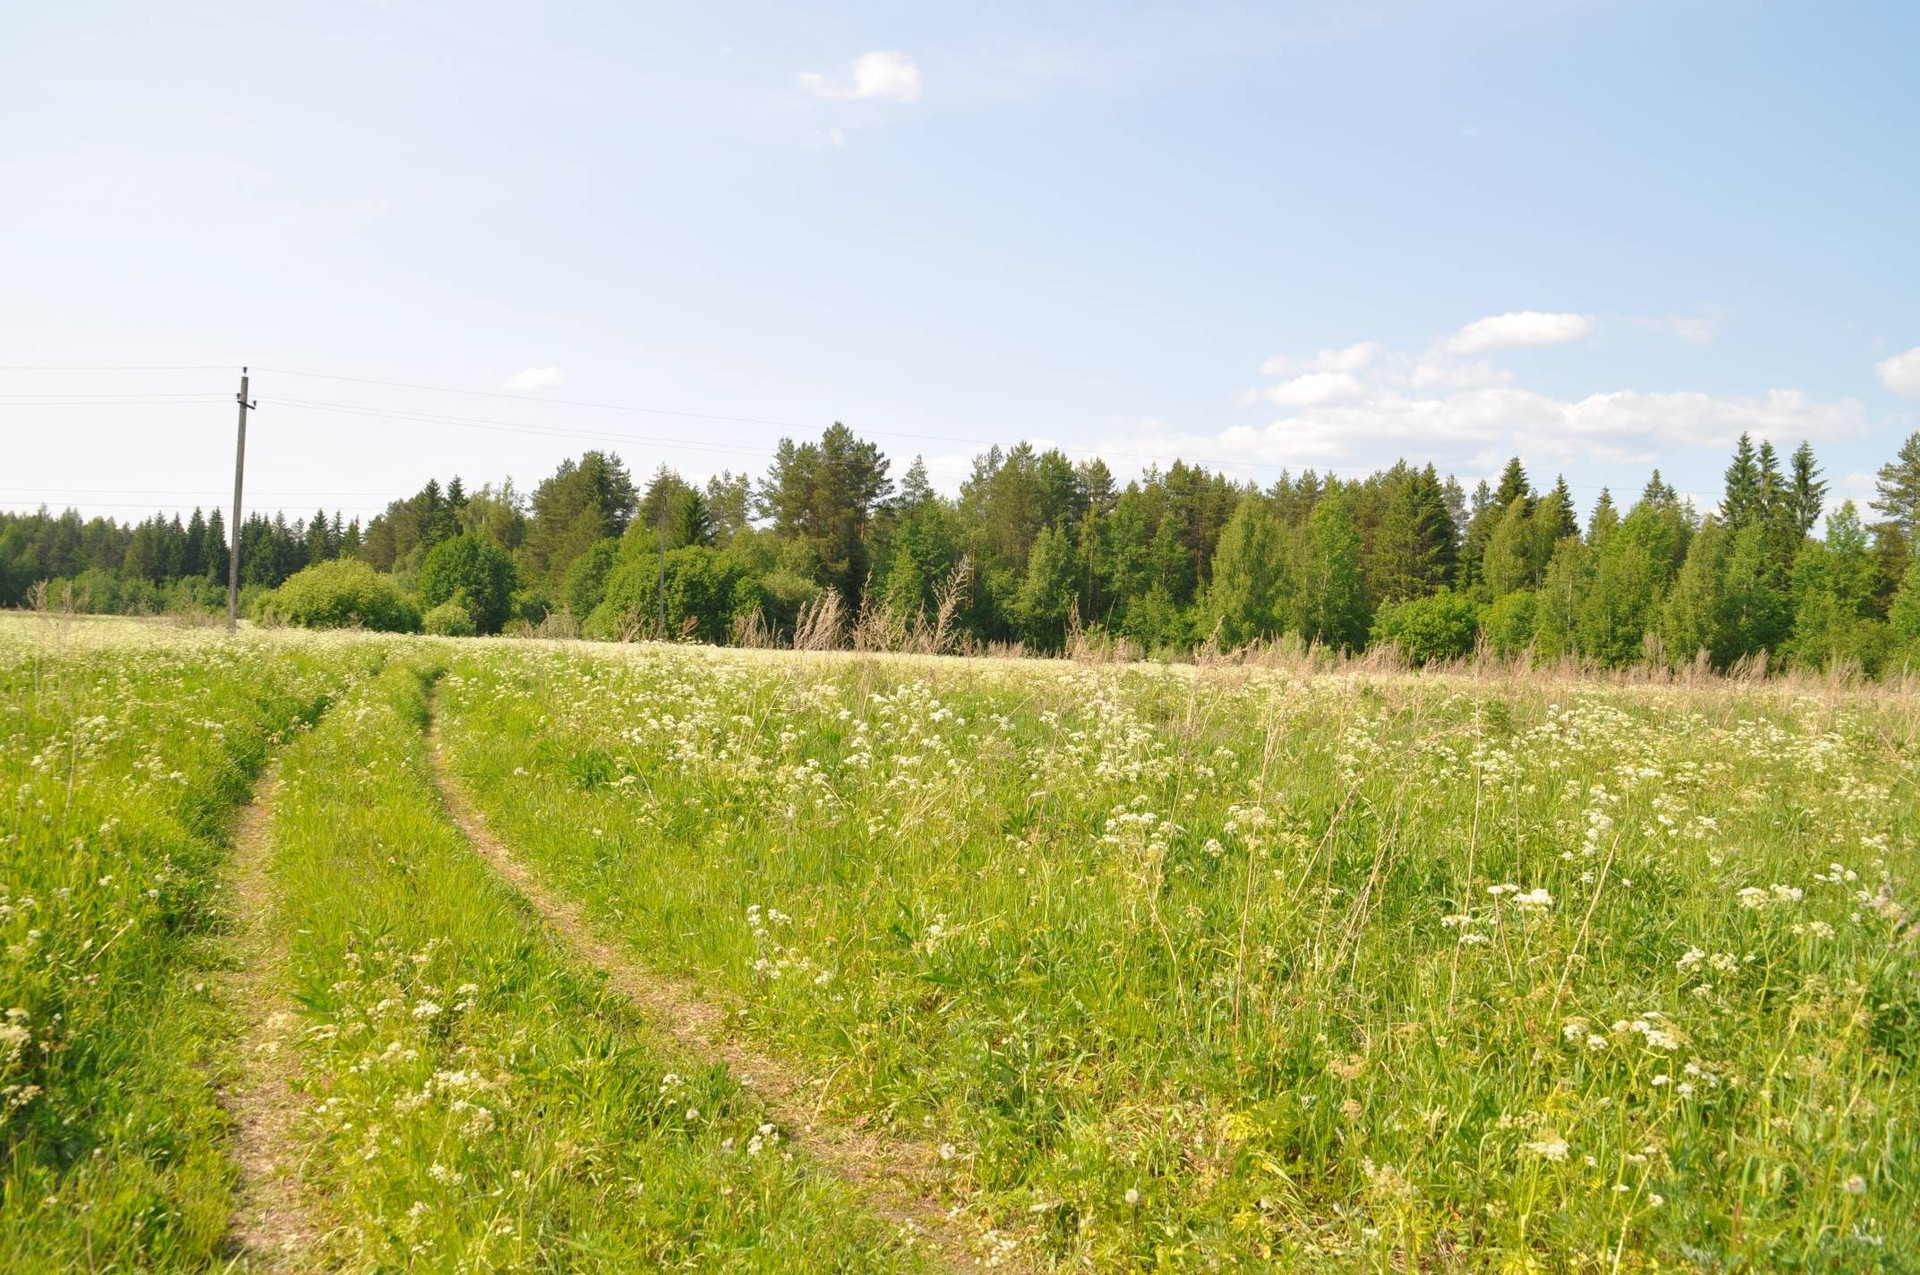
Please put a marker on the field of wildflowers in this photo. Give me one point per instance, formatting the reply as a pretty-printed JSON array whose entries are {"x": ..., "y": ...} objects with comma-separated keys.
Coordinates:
[
  {"x": 1161, "y": 969},
  {"x": 1196, "y": 969}
]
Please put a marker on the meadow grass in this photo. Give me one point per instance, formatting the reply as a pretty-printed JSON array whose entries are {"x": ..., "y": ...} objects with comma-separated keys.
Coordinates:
[
  {"x": 1228, "y": 968},
  {"x": 471, "y": 1100},
  {"x": 122, "y": 753},
  {"x": 1223, "y": 968}
]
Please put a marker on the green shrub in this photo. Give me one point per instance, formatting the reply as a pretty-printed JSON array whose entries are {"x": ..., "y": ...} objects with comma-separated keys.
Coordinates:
[
  {"x": 474, "y": 572},
  {"x": 701, "y": 596},
  {"x": 586, "y": 581},
  {"x": 1509, "y": 623},
  {"x": 343, "y": 593},
  {"x": 1441, "y": 627},
  {"x": 449, "y": 619}
]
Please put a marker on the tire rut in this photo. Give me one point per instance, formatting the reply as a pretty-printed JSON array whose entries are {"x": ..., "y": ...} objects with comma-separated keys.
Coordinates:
[
  {"x": 895, "y": 1178},
  {"x": 270, "y": 1229}
]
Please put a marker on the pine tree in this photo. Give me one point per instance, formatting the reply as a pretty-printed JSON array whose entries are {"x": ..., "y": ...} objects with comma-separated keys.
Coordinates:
[
  {"x": 729, "y": 498},
  {"x": 581, "y": 504},
  {"x": 1096, "y": 481},
  {"x": 824, "y": 495},
  {"x": 915, "y": 488},
  {"x": 1897, "y": 490}
]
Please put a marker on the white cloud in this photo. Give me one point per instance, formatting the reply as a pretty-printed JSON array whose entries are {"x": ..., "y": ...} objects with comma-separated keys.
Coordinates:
[
  {"x": 1349, "y": 358},
  {"x": 1353, "y": 406},
  {"x": 1434, "y": 372},
  {"x": 1693, "y": 329},
  {"x": 537, "y": 378},
  {"x": 1901, "y": 373},
  {"x": 882, "y": 75},
  {"x": 1499, "y": 420},
  {"x": 1315, "y": 388},
  {"x": 1521, "y": 329}
]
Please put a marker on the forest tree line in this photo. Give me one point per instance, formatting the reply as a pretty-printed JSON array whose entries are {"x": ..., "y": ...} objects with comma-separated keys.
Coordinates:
[{"x": 1042, "y": 551}]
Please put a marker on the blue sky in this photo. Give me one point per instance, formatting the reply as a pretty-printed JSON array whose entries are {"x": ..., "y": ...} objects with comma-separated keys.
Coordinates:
[{"x": 1606, "y": 236}]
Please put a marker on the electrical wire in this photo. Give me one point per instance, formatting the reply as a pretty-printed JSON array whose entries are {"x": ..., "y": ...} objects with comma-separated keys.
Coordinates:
[
  {"x": 587, "y": 433},
  {"x": 130, "y": 402},
  {"x": 199, "y": 367}
]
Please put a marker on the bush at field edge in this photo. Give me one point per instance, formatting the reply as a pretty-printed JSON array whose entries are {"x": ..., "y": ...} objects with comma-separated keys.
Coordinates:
[{"x": 343, "y": 593}]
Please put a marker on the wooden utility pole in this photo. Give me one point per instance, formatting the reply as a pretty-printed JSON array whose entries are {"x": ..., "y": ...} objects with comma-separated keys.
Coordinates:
[{"x": 239, "y": 473}]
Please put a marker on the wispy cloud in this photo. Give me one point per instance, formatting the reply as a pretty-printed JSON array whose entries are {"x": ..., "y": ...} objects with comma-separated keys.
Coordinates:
[
  {"x": 1313, "y": 389},
  {"x": 1695, "y": 329},
  {"x": 1901, "y": 373},
  {"x": 1520, "y": 329},
  {"x": 1349, "y": 358},
  {"x": 881, "y": 75},
  {"x": 537, "y": 378}
]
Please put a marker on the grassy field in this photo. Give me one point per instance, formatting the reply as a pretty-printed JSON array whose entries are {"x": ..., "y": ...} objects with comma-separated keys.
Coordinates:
[{"x": 1138, "y": 968}]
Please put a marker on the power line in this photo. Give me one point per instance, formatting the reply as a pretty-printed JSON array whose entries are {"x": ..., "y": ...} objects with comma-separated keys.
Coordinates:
[
  {"x": 200, "y": 367},
  {"x": 177, "y": 401},
  {"x": 181, "y": 491},
  {"x": 91, "y": 397},
  {"x": 204, "y": 508},
  {"x": 538, "y": 398},
  {"x": 509, "y": 427}
]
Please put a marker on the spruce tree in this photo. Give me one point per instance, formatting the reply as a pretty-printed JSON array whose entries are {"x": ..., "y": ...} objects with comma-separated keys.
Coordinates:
[
  {"x": 1513, "y": 486},
  {"x": 1413, "y": 548},
  {"x": 1741, "y": 504},
  {"x": 1692, "y": 618},
  {"x": 1603, "y": 520},
  {"x": 1806, "y": 491}
]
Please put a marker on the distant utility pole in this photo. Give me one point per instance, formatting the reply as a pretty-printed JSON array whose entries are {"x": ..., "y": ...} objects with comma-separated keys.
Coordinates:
[{"x": 239, "y": 473}]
